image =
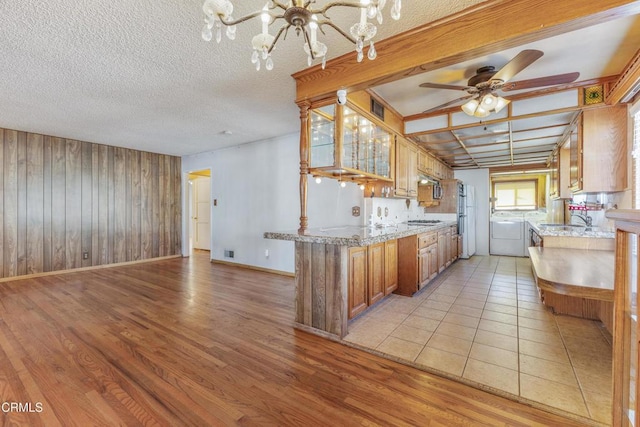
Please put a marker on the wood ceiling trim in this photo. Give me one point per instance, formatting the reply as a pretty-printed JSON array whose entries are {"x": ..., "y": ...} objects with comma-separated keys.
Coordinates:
[
  {"x": 628, "y": 84},
  {"x": 488, "y": 27}
]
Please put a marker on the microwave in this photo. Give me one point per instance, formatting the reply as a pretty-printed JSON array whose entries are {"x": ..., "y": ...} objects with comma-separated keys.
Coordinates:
[{"x": 437, "y": 192}]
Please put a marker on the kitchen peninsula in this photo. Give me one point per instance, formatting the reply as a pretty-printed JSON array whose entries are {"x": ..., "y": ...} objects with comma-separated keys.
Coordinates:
[{"x": 341, "y": 271}]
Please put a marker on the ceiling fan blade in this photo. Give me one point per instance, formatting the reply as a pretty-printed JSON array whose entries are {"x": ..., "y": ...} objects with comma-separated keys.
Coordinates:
[
  {"x": 443, "y": 86},
  {"x": 541, "y": 81},
  {"x": 450, "y": 103},
  {"x": 517, "y": 64}
]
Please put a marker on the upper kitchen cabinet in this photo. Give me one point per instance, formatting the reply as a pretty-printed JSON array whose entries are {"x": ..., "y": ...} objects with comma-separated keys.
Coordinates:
[
  {"x": 430, "y": 166},
  {"x": 347, "y": 145},
  {"x": 406, "y": 169},
  {"x": 597, "y": 150}
]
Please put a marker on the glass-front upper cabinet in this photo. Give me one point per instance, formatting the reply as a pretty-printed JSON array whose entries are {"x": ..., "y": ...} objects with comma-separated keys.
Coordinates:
[{"x": 344, "y": 144}]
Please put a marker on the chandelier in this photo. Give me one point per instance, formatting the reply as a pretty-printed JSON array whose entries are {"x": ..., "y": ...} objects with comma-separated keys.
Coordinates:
[
  {"x": 484, "y": 104},
  {"x": 305, "y": 20}
]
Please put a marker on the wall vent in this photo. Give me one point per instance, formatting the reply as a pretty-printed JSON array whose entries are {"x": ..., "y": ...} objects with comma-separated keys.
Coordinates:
[
  {"x": 228, "y": 253},
  {"x": 377, "y": 109}
]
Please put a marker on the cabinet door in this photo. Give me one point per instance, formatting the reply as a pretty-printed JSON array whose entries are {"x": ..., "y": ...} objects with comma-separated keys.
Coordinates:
[
  {"x": 390, "y": 266},
  {"x": 357, "y": 280},
  {"x": 447, "y": 251},
  {"x": 453, "y": 249},
  {"x": 375, "y": 270},
  {"x": 554, "y": 176},
  {"x": 423, "y": 267},
  {"x": 412, "y": 172},
  {"x": 459, "y": 245},
  {"x": 575, "y": 157},
  {"x": 402, "y": 163},
  {"x": 433, "y": 261},
  {"x": 442, "y": 251}
]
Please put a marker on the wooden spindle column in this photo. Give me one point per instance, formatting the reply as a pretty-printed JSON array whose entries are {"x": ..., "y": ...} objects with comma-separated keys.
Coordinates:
[{"x": 304, "y": 163}]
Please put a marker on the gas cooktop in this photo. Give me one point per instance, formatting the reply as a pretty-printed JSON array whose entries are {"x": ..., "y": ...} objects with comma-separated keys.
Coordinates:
[{"x": 423, "y": 221}]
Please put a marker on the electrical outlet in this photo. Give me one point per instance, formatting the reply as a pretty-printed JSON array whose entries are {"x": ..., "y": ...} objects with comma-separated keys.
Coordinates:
[
  {"x": 85, "y": 255},
  {"x": 355, "y": 211},
  {"x": 266, "y": 253},
  {"x": 228, "y": 253}
]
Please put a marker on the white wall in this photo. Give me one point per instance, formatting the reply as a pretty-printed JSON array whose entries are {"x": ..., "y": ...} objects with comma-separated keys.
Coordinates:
[
  {"x": 479, "y": 178},
  {"x": 256, "y": 187}
]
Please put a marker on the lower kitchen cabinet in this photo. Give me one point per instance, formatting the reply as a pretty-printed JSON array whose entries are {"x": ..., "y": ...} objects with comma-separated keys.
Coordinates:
[
  {"x": 459, "y": 245},
  {"x": 390, "y": 266},
  {"x": 373, "y": 274},
  {"x": 358, "y": 291},
  {"x": 417, "y": 262},
  {"x": 444, "y": 249},
  {"x": 453, "y": 248}
]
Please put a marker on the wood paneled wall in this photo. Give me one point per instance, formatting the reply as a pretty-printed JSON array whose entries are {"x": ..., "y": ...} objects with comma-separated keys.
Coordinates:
[{"x": 62, "y": 198}]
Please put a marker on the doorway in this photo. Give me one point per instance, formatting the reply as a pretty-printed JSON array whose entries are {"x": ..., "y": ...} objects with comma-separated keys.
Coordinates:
[{"x": 200, "y": 210}]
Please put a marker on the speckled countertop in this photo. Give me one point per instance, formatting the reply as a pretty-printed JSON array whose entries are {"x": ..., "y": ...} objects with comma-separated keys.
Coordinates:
[
  {"x": 545, "y": 229},
  {"x": 356, "y": 235}
]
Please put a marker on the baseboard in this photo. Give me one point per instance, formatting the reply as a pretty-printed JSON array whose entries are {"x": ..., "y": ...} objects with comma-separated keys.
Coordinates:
[
  {"x": 93, "y": 267},
  {"x": 253, "y": 267}
]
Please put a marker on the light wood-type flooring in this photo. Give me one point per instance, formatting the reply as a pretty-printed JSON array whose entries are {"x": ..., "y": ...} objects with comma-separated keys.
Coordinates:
[{"x": 187, "y": 342}]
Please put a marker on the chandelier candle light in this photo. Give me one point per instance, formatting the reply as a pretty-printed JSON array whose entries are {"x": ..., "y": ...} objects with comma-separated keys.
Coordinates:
[{"x": 305, "y": 19}]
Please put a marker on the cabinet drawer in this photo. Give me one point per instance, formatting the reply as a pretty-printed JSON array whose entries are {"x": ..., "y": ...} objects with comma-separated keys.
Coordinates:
[{"x": 427, "y": 239}]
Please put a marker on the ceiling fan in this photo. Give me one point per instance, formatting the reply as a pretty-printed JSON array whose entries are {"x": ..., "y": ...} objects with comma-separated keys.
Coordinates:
[{"x": 481, "y": 88}]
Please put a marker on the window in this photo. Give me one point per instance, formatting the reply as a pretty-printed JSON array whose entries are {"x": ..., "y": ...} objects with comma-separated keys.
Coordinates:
[{"x": 515, "y": 195}]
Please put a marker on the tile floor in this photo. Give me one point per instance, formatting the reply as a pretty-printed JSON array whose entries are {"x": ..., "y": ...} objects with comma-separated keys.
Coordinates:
[{"x": 482, "y": 321}]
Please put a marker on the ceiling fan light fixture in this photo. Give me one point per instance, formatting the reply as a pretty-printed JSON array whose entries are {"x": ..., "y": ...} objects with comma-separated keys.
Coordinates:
[
  {"x": 481, "y": 112},
  {"x": 500, "y": 104},
  {"x": 470, "y": 106},
  {"x": 489, "y": 101}
]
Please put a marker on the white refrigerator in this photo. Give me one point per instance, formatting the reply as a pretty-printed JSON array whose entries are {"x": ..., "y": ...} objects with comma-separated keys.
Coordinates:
[{"x": 468, "y": 221}]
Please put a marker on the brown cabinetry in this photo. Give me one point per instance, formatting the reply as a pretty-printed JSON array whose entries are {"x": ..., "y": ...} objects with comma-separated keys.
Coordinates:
[
  {"x": 417, "y": 262},
  {"x": 453, "y": 248},
  {"x": 358, "y": 292},
  {"x": 598, "y": 151},
  {"x": 373, "y": 273},
  {"x": 390, "y": 266},
  {"x": 406, "y": 181},
  {"x": 444, "y": 241}
]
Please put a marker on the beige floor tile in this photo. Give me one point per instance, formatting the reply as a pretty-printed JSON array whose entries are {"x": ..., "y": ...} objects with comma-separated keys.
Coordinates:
[
  {"x": 498, "y": 327},
  {"x": 533, "y": 306},
  {"x": 535, "y": 314},
  {"x": 437, "y": 305},
  {"x": 409, "y": 333},
  {"x": 467, "y": 311},
  {"x": 366, "y": 337},
  {"x": 388, "y": 316},
  {"x": 528, "y": 298},
  {"x": 500, "y": 317},
  {"x": 599, "y": 406},
  {"x": 450, "y": 344},
  {"x": 442, "y": 360},
  {"x": 553, "y": 394},
  {"x": 456, "y": 331},
  {"x": 553, "y": 371},
  {"x": 508, "y": 291},
  {"x": 503, "y": 301},
  {"x": 497, "y": 356},
  {"x": 492, "y": 375},
  {"x": 527, "y": 292},
  {"x": 548, "y": 325},
  {"x": 501, "y": 308},
  {"x": 473, "y": 295},
  {"x": 598, "y": 380},
  {"x": 499, "y": 294},
  {"x": 471, "y": 284},
  {"x": 493, "y": 339},
  {"x": 544, "y": 337},
  {"x": 430, "y": 313},
  {"x": 469, "y": 302},
  {"x": 553, "y": 353},
  {"x": 400, "y": 348},
  {"x": 461, "y": 319},
  {"x": 442, "y": 298},
  {"x": 421, "y": 323}
]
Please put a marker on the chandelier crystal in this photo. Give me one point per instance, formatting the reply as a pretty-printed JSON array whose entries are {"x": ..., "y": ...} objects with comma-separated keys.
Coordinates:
[{"x": 304, "y": 19}]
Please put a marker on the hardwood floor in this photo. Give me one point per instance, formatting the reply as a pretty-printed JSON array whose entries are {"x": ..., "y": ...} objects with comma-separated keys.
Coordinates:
[{"x": 186, "y": 342}]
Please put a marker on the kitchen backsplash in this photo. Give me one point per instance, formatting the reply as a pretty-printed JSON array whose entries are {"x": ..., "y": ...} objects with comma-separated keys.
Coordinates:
[{"x": 392, "y": 211}]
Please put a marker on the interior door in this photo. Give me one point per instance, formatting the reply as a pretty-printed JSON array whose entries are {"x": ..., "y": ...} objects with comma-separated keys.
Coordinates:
[{"x": 202, "y": 213}]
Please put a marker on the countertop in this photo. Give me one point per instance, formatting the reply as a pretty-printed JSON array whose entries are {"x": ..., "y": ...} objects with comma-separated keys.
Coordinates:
[
  {"x": 349, "y": 235},
  {"x": 574, "y": 272},
  {"x": 545, "y": 229}
]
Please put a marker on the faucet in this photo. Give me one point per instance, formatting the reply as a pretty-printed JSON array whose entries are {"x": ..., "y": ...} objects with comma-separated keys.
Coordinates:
[{"x": 586, "y": 218}]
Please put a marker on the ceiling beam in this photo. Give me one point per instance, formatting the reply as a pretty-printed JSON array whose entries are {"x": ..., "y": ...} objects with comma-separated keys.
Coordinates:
[{"x": 480, "y": 30}]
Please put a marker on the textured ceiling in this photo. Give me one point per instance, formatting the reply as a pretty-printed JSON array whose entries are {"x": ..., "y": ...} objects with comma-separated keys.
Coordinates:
[{"x": 137, "y": 74}]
